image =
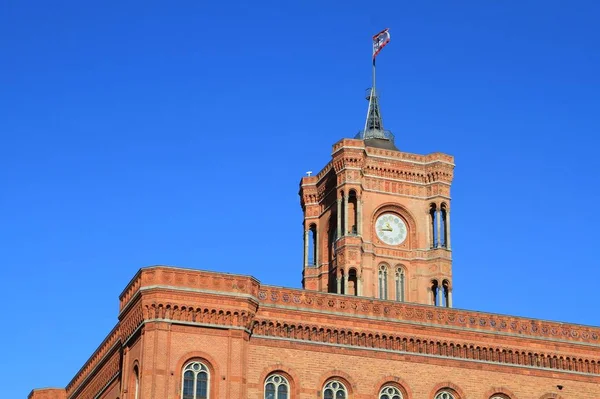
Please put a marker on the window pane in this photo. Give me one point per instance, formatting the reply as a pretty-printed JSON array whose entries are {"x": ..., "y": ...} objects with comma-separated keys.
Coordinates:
[
  {"x": 270, "y": 391},
  {"x": 202, "y": 386},
  {"x": 340, "y": 394},
  {"x": 282, "y": 391},
  {"x": 328, "y": 394},
  {"x": 188, "y": 385}
]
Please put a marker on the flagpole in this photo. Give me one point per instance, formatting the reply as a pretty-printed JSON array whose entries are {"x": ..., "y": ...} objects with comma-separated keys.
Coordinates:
[{"x": 373, "y": 87}]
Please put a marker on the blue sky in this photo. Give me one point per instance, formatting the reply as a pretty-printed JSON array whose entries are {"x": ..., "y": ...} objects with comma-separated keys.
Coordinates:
[{"x": 176, "y": 133}]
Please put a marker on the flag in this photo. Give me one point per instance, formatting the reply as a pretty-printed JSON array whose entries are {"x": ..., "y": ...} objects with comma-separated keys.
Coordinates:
[{"x": 380, "y": 40}]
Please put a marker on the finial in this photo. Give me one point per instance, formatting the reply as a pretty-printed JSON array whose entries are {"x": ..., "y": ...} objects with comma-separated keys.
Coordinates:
[{"x": 309, "y": 173}]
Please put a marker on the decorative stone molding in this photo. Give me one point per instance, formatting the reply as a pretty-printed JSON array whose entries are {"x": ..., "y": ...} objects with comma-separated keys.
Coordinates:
[
  {"x": 196, "y": 314},
  {"x": 422, "y": 345},
  {"x": 439, "y": 316},
  {"x": 131, "y": 321}
]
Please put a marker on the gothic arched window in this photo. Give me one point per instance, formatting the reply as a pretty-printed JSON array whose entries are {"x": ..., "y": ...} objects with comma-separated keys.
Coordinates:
[
  {"x": 444, "y": 395},
  {"x": 382, "y": 281},
  {"x": 277, "y": 387},
  {"x": 390, "y": 392},
  {"x": 136, "y": 382},
  {"x": 195, "y": 381},
  {"x": 334, "y": 390}
]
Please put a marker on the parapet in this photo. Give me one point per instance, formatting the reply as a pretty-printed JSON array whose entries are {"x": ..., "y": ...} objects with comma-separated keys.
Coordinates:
[{"x": 48, "y": 393}]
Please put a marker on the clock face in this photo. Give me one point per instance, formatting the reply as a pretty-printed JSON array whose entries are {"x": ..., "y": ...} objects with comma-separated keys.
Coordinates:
[{"x": 391, "y": 229}]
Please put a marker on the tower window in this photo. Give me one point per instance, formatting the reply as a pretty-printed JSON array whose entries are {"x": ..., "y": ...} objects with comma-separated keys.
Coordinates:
[
  {"x": 276, "y": 387},
  {"x": 383, "y": 282},
  {"x": 312, "y": 245},
  {"x": 446, "y": 293},
  {"x": 352, "y": 213},
  {"x": 443, "y": 214},
  {"x": 433, "y": 233},
  {"x": 195, "y": 381},
  {"x": 352, "y": 282},
  {"x": 400, "y": 284},
  {"x": 335, "y": 390},
  {"x": 435, "y": 294}
]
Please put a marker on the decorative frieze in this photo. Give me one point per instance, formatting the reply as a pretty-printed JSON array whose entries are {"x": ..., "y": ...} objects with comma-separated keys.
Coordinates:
[
  {"x": 195, "y": 314},
  {"x": 439, "y": 316},
  {"x": 422, "y": 345}
]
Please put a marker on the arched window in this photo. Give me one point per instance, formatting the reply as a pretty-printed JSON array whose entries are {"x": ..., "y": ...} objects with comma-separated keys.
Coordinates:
[
  {"x": 382, "y": 281},
  {"x": 390, "y": 392},
  {"x": 312, "y": 246},
  {"x": 277, "y": 387},
  {"x": 335, "y": 390},
  {"x": 195, "y": 381},
  {"x": 433, "y": 233},
  {"x": 400, "y": 284},
  {"x": 136, "y": 383},
  {"x": 436, "y": 298},
  {"x": 444, "y": 395},
  {"x": 352, "y": 214},
  {"x": 352, "y": 282},
  {"x": 446, "y": 293}
]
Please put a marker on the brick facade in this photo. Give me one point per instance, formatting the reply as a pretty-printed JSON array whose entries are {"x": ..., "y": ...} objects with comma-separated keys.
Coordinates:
[{"x": 243, "y": 331}]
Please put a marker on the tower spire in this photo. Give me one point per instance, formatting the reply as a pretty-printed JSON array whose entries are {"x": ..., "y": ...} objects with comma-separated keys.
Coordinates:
[{"x": 374, "y": 131}]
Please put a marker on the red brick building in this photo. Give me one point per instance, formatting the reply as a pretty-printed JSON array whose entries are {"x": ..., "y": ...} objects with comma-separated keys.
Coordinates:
[{"x": 374, "y": 320}]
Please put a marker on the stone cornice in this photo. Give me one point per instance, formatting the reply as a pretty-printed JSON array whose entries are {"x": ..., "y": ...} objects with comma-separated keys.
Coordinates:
[
  {"x": 355, "y": 144},
  {"x": 189, "y": 279}
]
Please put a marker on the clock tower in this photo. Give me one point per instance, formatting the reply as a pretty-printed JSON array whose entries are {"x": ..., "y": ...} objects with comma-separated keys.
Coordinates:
[{"x": 377, "y": 220}]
